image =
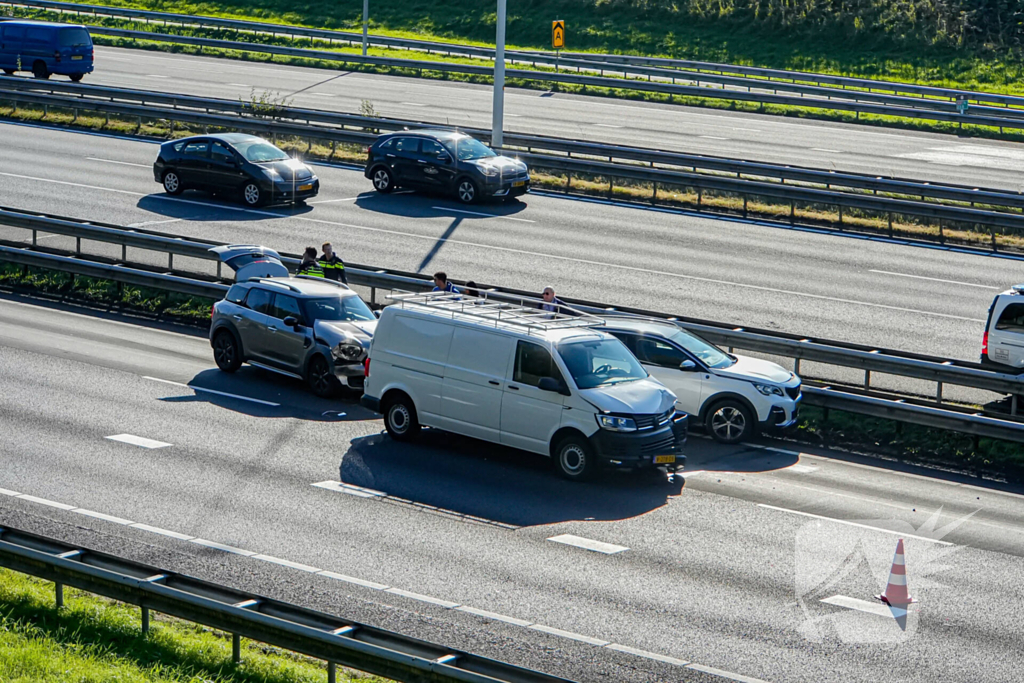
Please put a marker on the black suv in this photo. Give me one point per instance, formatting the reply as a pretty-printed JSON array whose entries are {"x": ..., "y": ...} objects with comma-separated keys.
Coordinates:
[
  {"x": 445, "y": 161},
  {"x": 236, "y": 164}
]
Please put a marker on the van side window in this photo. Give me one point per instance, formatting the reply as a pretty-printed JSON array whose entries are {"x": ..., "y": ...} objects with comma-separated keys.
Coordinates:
[
  {"x": 533, "y": 363},
  {"x": 14, "y": 32},
  {"x": 657, "y": 352},
  {"x": 1012, "y": 318},
  {"x": 259, "y": 300},
  {"x": 38, "y": 35}
]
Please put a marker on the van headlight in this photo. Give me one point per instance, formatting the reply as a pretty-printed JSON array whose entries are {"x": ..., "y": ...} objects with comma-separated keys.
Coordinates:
[
  {"x": 616, "y": 424},
  {"x": 769, "y": 389},
  {"x": 348, "y": 352}
]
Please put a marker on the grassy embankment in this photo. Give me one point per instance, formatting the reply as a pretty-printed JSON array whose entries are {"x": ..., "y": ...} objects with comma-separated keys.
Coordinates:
[{"x": 95, "y": 640}]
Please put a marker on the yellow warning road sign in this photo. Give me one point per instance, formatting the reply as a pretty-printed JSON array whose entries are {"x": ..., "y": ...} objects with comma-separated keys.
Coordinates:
[{"x": 558, "y": 34}]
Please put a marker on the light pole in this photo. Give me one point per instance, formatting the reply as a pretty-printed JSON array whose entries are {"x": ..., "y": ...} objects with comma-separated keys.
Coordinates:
[
  {"x": 497, "y": 111},
  {"x": 366, "y": 22}
]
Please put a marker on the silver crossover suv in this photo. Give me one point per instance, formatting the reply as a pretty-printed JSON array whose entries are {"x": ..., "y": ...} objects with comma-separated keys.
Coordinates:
[{"x": 304, "y": 327}]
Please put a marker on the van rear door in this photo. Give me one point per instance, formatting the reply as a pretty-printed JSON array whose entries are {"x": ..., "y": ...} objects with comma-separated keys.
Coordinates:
[
  {"x": 471, "y": 391},
  {"x": 76, "y": 49},
  {"x": 1006, "y": 336},
  {"x": 11, "y": 38}
]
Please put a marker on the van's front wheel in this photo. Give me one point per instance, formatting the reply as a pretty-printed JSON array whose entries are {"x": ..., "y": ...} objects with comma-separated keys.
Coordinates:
[
  {"x": 400, "y": 418},
  {"x": 574, "y": 459},
  {"x": 76, "y": 77}
]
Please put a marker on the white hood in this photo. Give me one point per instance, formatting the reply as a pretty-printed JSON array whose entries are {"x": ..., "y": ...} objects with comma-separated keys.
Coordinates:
[
  {"x": 505, "y": 165},
  {"x": 641, "y": 397},
  {"x": 757, "y": 370}
]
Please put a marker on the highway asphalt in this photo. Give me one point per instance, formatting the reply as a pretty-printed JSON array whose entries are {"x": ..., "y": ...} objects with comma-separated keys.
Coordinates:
[
  {"x": 787, "y": 140},
  {"x": 761, "y": 565},
  {"x": 896, "y": 296}
]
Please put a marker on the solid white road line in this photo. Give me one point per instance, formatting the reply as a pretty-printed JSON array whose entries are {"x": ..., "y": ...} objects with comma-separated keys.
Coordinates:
[
  {"x": 712, "y": 137},
  {"x": 879, "y": 608},
  {"x": 145, "y": 223},
  {"x": 350, "y": 489},
  {"x": 801, "y": 469},
  {"x": 649, "y": 655},
  {"x": 332, "y": 201},
  {"x": 120, "y": 163},
  {"x": 588, "y": 544},
  {"x": 413, "y": 104},
  {"x": 44, "y": 501},
  {"x": 568, "y": 634},
  {"x": 220, "y": 546},
  {"x": 856, "y": 524},
  {"x": 494, "y": 616},
  {"x": 8, "y": 492},
  {"x": 830, "y": 151},
  {"x": 351, "y": 579},
  {"x": 105, "y": 517},
  {"x": 422, "y": 598},
  {"x": 212, "y": 391},
  {"x": 162, "y": 532},
  {"x": 606, "y": 125},
  {"x": 724, "y": 674},
  {"x": 287, "y": 563},
  {"x": 934, "y": 279},
  {"x": 140, "y": 441},
  {"x": 748, "y": 130},
  {"x": 525, "y": 252},
  {"x": 480, "y": 213}
]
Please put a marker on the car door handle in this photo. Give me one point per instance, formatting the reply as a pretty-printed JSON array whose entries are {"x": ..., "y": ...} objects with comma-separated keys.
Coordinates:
[
  {"x": 390, "y": 156},
  {"x": 237, "y": 317},
  {"x": 491, "y": 381},
  {"x": 513, "y": 387},
  {"x": 421, "y": 161},
  {"x": 271, "y": 329}
]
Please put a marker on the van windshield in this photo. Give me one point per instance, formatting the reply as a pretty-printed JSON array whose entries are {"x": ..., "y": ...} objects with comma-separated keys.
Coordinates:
[
  {"x": 600, "y": 362},
  {"x": 343, "y": 308},
  {"x": 75, "y": 37}
]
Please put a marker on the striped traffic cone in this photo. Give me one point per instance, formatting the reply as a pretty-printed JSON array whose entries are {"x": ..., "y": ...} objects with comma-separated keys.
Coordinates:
[{"x": 896, "y": 594}]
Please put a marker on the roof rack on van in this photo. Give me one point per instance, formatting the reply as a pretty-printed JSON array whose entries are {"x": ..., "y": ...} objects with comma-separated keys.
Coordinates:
[{"x": 521, "y": 312}]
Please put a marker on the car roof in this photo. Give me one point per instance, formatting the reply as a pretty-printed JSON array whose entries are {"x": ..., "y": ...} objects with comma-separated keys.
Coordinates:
[
  {"x": 29, "y": 22},
  {"x": 303, "y": 286},
  {"x": 223, "y": 137},
  {"x": 438, "y": 134},
  {"x": 644, "y": 326}
]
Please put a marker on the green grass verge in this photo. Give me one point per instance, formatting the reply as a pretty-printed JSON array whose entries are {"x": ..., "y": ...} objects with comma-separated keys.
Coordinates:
[
  {"x": 94, "y": 640},
  {"x": 167, "y": 305},
  {"x": 961, "y": 43},
  {"x": 908, "y": 442}
]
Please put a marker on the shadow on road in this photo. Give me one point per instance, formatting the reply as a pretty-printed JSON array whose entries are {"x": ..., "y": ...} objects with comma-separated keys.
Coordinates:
[
  {"x": 270, "y": 395},
  {"x": 469, "y": 477},
  {"x": 193, "y": 205},
  {"x": 705, "y": 455},
  {"x": 435, "y": 205}
]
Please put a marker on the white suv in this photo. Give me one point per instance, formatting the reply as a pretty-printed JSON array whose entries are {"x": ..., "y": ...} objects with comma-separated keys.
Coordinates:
[
  {"x": 1003, "y": 343},
  {"x": 733, "y": 396}
]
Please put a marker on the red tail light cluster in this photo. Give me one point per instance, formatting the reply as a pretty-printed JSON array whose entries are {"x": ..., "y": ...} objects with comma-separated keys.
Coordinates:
[
  {"x": 213, "y": 309},
  {"x": 366, "y": 367},
  {"x": 984, "y": 344}
]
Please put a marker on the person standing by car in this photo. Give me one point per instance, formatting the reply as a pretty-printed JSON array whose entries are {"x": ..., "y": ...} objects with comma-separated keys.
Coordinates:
[
  {"x": 441, "y": 283},
  {"x": 332, "y": 265},
  {"x": 309, "y": 265},
  {"x": 552, "y": 304}
]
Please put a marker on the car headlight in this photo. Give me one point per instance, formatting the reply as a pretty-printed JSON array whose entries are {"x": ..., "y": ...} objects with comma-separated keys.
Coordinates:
[
  {"x": 488, "y": 170},
  {"x": 616, "y": 424},
  {"x": 272, "y": 175},
  {"x": 769, "y": 389},
  {"x": 348, "y": 351}
]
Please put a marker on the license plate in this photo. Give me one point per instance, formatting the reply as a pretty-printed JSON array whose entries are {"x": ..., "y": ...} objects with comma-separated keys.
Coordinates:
[
  {"x": 519, "y": 183},
  {"x": 74, "y": 57},
  {"x": 305, "y": 187},
  {"x": 664, "y": 459}
]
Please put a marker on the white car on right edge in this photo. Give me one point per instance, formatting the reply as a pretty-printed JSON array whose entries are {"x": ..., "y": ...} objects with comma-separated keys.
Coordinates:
[{"x": 733, "y": 396}]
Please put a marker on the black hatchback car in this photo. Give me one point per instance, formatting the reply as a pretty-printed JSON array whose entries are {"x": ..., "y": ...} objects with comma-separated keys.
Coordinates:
[
  {"x": 444, "y": 161},
  {"x": 236, "y": 164}
]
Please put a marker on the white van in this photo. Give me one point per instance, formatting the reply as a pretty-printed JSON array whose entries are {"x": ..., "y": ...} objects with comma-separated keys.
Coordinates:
[
  {"x": 523, "y": 377},
  {"x": 1003, "y": 343}
]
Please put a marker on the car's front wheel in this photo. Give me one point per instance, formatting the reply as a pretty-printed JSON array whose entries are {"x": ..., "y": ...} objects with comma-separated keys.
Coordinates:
[
  {"x": 252, "y": 195},
  {"x": 574, "y": 459},
  {"x": 467, "y": 191},
  {"x": 729, "y": 421},
  {"x": 320, "y": 378},
  {"x": 172, "y": 183},
  {"x": 226, "y": 351},
  {"x": 400, "y": 418},
  {"x": 383, "y": 181}
]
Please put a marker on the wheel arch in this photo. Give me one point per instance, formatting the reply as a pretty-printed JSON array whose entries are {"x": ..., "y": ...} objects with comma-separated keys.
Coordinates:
[
  {"x": 224, "y": 326},
  {"x": 723, "y": 396},
  {"x": 560, "y": 434}
]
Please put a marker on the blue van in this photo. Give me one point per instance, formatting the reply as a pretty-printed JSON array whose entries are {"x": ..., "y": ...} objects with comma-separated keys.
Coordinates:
[{"x": 45, "y": 49}]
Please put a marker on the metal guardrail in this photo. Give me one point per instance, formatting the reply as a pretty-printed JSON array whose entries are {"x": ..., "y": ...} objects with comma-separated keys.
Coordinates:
[
  {"x": 245, "y": 615},
  {"x": 859, "y": 89},
  {"x": 917, "y": 366},
  {"x": 787, "y": 194},
  {"x": 829, "y": 178}
]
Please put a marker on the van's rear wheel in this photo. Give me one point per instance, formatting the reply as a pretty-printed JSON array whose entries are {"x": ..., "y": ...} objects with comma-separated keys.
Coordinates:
[
  {"x": 39, "y": 70},
  {"x": 574, "y": 459},
  {"x": 400, "y": 418},
  {"x": 76, "y": 77}
]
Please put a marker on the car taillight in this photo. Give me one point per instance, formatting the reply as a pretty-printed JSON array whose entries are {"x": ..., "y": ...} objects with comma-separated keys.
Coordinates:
[
  {"x": 213, "y": 309},
  {"x": 366, "y": 367},
  {"x": 984, "y": 344}
]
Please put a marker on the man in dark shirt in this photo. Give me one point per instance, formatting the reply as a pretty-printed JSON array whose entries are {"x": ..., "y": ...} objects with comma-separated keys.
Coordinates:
[{"x": 334, "y": 267}]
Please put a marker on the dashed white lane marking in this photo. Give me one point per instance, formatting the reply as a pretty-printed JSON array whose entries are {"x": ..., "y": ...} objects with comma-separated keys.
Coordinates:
[
  {"x": 394, "y": 591},
  {"x": 120, "y": 163},
  {"x": 934, "y": 279},
  {"x": 712, "y": 137},
  {"x": 606, "y": 125},
  {"x": 510, "y": 250},
  {"x": 856, "y": 524},
  {"x": 140, "y": 441},
  {"x": 588, "y": 544},
  {"x": 105, "y": 517},
  {"x": 287, "y": 563},
  {"x": 239, "y": 85},
  {"x": 447, "y": 604},
  {"x": 801, "y": 469},
  {"x": 723, "y": 674},
  {"x": 413, "y": 104},
  {"x": 644, "y": 653},
  {"x": 213, "y": 391},
  {"x": 332, "y": 201},
  {"x": 493, "y": 615},
  {"x": 480, "y": 213},
  {"x": 748, "y": 130},
  {"x": 822, "y": 149},
  {"x": 568, "y": 634},
  {"x": 350, "y": 489},
  {"x": 878, "y": 608},
  {"x": 145, "y": 223},
  {"x": 156, "y": 76}
]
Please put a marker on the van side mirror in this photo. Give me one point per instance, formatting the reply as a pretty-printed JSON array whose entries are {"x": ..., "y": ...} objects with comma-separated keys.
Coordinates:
[
  {"x": 553, "y": 385},
  {"x": 687, "y": 366}
]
